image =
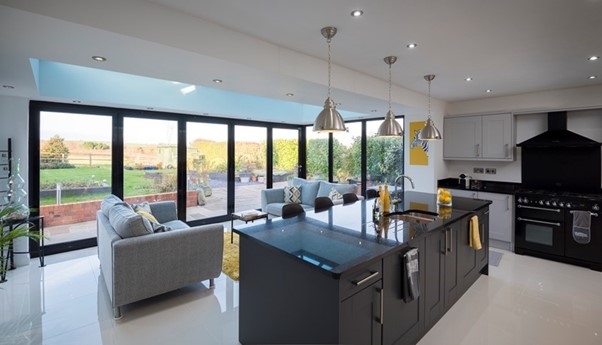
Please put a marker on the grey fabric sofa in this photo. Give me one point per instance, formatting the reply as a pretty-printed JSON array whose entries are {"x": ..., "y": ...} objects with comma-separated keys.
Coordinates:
[
  {"x": 146, "y": 265},
  {"x": 272, "y": 200}
]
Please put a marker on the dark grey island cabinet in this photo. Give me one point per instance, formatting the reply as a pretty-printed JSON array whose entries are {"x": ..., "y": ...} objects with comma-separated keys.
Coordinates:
[{"x": 332, "y": 278}]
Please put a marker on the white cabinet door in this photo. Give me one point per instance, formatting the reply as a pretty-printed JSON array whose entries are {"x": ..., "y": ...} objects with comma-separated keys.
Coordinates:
[
  {"x": 497, "y": 137},
  {"x": 462, "y": 137},
  {"x": 501, "y": 218},
  {"x": 463, "y": 194}
]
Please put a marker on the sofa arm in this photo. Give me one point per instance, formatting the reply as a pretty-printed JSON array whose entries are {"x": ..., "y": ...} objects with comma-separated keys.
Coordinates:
[
  {"x": 270, "y": 196},
  {"x": 164, "y": 211},
  {"x": 149, "y": 265}
]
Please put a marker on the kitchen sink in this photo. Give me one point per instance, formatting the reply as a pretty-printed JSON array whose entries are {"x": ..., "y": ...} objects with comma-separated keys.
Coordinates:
[{"x": 414, "y": 216}]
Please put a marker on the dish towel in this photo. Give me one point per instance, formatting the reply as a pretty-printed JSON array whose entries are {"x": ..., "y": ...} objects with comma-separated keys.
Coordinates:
[
  {"x": 475, "y": 237},
  {"x": 582, "y": 221},
  {"x": 411, "y": 275}
]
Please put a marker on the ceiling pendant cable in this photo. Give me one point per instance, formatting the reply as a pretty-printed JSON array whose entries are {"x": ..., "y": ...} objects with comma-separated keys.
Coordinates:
[
  {"x": 429, "y": 132},
  {"x": 390, "y": 127},
  {"x": 329, "y": 120}
]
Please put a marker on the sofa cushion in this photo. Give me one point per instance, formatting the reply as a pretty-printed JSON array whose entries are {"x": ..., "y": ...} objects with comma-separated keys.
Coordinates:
[
  {"x": 325, "y": 188},
  {"x": 146, "y": 215},
  {"x": 292, "y": 194},
  {"x": 144, "y": 206},
  {"x": 127, "y": 223},
  {"x": 276, "y": 208},
  {"x": 309, "y": 190},
  {"x": 108, "y": 202}
]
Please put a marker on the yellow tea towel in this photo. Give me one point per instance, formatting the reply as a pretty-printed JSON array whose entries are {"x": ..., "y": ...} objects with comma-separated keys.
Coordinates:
[{"x": 475, "y": 236}]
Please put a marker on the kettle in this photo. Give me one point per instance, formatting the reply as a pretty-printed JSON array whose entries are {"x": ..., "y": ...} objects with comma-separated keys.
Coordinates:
[{"x": 466, "y": 179}]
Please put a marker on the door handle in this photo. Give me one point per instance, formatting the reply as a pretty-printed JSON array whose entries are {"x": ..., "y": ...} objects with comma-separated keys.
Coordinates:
[
  {"x": 537, "y": 221},
  {"x": 360, "y": 282},
  {"x": 539, "y": 208}
]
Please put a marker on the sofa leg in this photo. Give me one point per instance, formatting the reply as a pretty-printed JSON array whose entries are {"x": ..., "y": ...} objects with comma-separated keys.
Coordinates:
[
  {"x": 117, "y": 313},
  {"x": 212, "y": 283}
]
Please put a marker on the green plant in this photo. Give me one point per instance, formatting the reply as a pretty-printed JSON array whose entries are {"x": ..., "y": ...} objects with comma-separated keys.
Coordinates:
[{"x": 7, "y": 237}]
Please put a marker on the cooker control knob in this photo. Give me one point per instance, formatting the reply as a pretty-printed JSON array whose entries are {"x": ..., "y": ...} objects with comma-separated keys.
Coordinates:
[
  {"x": 561, "y": 204},
  {"x": 541, "y": 202},
  {"x": 569, "y": 205},
  {"x": 520, "y": 200},
  {"x": 554, "y": 203},
  {"x": 548, "y": 203},
  {"x": 525, "y": 200},
  {"x": 596, "y": 207}
]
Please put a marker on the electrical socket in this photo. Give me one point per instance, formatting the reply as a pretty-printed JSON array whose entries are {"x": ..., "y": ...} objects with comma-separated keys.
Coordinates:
[
  {"x": 490, "y": 171},
  {"x": 477, "y": 170}
]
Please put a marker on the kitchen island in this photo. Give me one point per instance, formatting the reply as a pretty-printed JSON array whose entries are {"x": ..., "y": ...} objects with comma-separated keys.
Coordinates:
[{"x": 338, "y": 277}]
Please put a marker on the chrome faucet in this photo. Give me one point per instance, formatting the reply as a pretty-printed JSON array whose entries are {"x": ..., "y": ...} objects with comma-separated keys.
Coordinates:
[{"x": 398, "y": 179}]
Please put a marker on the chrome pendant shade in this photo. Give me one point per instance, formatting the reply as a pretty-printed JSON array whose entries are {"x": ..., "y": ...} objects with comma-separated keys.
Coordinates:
[
  {"x": 329, "y": 120},
  {"x": 390, "y": 127},
  {"x": 429, "y": 132}
]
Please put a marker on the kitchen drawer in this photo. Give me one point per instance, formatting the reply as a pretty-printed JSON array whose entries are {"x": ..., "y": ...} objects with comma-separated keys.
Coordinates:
[{"x": 358, "y": 280}]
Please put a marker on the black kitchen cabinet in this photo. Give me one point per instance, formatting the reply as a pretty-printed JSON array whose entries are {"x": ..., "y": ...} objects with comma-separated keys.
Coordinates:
[
  {"x": 361, "y": 316},
  {"x": 452, "y": 278},
  {"x": 483, "y": 254},
  {"x": 403, "y": 321},
  {"x": 433, "y": 291}
]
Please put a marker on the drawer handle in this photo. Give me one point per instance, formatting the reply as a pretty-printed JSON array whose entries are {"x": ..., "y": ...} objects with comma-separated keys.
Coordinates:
[{"x": 360, "y": 282}]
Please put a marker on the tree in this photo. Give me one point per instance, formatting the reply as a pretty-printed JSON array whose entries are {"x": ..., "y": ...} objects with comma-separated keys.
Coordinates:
[
  {"x": 55, "y": 149},
  {"x": 317, "y": 157}
]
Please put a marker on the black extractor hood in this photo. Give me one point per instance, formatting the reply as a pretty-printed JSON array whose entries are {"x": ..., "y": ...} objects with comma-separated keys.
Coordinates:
[{"x": 558, "y": 136}]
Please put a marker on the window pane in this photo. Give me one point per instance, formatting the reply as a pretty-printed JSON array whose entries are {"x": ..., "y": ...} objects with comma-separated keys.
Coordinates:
[
  {"x": 384, "y": 156},
  {"x": 207, "y": 170},
  {"x": 250, "y": 155},
  {"x": 347, "y": 147},
  {"x": 150, "y": 160},
  {"x": 285, "y": 155},
  {"x": 75, "y": 173},
  {"x": 317, "y": 154}
]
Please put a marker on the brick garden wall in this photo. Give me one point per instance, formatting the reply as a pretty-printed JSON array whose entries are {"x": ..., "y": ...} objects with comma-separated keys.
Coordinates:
[{"x": 85, "y": 211}]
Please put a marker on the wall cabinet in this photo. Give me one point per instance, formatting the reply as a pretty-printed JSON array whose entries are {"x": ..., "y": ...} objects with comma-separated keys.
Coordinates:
[
  {"x": 501, "y": 227},
  {"x": 482, "y": 137}
]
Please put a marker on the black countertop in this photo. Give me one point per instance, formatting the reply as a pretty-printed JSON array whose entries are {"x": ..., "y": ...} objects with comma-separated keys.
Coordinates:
[
  {"x": 480, "y": 185},
  {"x": 343, "y": 237}
]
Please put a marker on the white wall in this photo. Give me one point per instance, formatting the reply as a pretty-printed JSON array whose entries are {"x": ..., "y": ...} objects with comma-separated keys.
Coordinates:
[{"x": 14, "y": 119}]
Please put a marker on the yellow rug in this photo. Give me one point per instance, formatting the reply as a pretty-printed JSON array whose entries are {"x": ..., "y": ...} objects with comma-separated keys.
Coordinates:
[{"x": 230, "y": 263}]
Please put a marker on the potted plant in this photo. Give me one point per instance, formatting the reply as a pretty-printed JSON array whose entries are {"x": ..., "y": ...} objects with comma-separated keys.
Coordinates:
[{"x": 7, "y": 237}]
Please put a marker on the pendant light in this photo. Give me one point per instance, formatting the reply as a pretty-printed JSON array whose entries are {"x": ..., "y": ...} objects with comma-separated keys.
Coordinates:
[
  {"x": 390, "y": 127},
  {"x": 429, "y": 132},
  {"x": 329, "y": 120}
]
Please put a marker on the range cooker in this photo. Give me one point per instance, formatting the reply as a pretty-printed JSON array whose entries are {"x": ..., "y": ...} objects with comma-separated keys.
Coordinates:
[{"x": 544, "y": 226}]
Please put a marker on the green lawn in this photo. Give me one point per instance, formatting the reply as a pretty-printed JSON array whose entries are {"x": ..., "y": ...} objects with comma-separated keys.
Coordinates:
[{"x": 135, "y": 182}]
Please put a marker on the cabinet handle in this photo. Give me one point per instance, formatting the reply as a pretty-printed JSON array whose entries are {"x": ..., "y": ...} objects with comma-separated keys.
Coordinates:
[
  {"x": 360, "y": 282},
  {"x": 482, "y": 232},
  {"x": 446, "y": 243},
  {"x": 477, "y": 149},
  {"x": 451, "y": 240},
  {"x": 508, "y": 203},
  {"x": 507, "y": 149},
  {"x": 381, "y": 317}
]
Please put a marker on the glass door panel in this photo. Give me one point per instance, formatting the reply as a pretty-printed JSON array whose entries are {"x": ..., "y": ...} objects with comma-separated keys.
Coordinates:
[
  {"x": 317, "y": 154},
  {"x": 285, "y": 156},
  {"x": 347, "y": 155},
  {"x": 384, "y": 156},
  {"x": 206, "y": 170},
  {"x": 75, "y": 173},
  {"x": 150, "y": 160},
  {"x": 250, "y": 164}
]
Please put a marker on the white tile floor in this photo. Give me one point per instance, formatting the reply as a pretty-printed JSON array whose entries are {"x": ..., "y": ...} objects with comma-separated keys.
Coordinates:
[{"x": 524, "y": 301}]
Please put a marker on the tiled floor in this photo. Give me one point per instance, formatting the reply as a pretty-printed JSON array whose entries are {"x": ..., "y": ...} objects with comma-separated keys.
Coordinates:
[{"x": 524, "y": 301}]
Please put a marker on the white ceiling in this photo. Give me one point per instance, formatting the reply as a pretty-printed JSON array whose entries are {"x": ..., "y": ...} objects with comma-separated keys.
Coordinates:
[{"x": 509, "y": 46}]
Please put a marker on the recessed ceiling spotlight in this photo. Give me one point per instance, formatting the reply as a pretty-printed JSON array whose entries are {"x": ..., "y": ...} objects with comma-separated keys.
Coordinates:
[
  {"x": 205, "y": 113},
  {"x": 99, "y": 58},
  {"x": 592, "y": 77},
  {"x": 8, "y": 86},
  {"x": 468, "y": 78},
  {"x": 593, "y": 58},
  {"x": 150, "y": 108},
  {"x": 357, "y": 13},
  {"x": 76, "y": 101},
  {"x": 217, "y": 81},
  {"x": 488, "y": 90},
  {"x": 412, "y": 45},
  {"x": 373, "y": 111},
  {"x": 290, "y": 94}
]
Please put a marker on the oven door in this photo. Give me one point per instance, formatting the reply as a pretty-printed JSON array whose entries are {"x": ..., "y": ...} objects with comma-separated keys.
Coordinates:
[{"x": 539, "y": 229}]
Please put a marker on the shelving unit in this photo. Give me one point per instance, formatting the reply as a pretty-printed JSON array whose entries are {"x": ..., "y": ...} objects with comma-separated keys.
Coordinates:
[{"x": 5, "y": 168}]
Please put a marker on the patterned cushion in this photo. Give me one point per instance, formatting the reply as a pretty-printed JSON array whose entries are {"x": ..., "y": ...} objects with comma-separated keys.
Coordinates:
[
  {"x": 145, "y": 206},
  {"x": 334, "y": 194},
  {"x": 146, "y": 215},
  {"x": 292, "y": 194}
]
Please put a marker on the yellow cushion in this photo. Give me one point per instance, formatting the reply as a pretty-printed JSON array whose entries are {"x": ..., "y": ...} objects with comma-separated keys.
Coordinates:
[{"x": 147, "y": 215}]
